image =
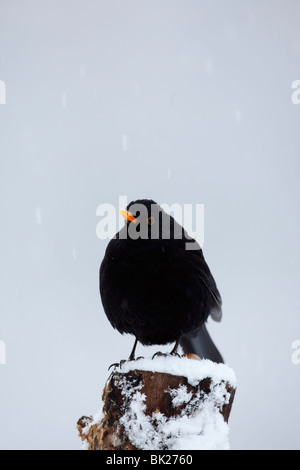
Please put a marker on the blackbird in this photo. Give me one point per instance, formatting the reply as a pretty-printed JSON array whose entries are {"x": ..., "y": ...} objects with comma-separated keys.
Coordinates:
[{"x": 156, "y": 285}]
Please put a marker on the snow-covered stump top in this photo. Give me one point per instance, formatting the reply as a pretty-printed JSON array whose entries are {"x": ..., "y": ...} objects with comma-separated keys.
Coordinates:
[{"x": 163, "y": 403}]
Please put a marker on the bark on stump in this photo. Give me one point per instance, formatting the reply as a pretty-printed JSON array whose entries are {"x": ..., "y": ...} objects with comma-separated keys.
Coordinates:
[{"x": 144, "y": 409}]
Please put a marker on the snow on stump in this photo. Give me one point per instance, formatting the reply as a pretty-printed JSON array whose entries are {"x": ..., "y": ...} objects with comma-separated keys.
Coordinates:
[{"x": 164, "y": 403}]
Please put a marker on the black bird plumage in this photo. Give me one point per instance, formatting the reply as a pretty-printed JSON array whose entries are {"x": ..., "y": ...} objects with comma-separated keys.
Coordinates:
[{"x": 156, "y": 289}]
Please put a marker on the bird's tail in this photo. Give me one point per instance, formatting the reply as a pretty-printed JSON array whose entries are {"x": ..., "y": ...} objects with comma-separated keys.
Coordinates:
[{"x": 200, "y": 343}]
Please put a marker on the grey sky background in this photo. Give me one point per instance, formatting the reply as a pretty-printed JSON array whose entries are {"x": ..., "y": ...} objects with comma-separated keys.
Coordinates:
[{"x": 179, "y": 101}]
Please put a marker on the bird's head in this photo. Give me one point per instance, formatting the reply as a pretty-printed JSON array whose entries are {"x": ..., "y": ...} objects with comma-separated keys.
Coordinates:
[
  {"x": 139, "y": 211},
  {"x": 145, "y": 219}
]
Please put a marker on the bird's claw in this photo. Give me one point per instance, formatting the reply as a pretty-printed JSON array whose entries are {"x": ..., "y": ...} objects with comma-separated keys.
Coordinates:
[
  {"x": 119, "y": 364},
  {"x": 175, "y": 354},
  {"x": 160, "y": 354}
]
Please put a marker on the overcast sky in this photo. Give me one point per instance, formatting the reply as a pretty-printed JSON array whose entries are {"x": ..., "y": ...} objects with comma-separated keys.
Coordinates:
[{"x": 180, "y": 101}]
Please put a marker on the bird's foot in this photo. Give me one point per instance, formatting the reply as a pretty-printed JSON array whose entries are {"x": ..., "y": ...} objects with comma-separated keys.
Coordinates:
[
  {"x": 175, "y": 354},
  {"x": 140, "y": 357},
  {"x": 117, "y": 364},
  {"x": 160, "y": 354},
  {"x": 120, "y": 364}
]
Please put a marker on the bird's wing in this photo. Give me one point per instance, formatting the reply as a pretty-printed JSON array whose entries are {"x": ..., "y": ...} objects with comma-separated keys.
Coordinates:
[
  {"x": 197, "y": 261},
  {"x": 216, "y": 311}
]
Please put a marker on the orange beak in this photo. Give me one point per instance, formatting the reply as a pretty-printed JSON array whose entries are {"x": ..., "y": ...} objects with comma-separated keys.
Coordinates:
[{"x": 128, "y": 216}]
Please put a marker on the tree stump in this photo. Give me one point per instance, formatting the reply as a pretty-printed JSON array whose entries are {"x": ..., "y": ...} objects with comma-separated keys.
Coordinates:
[{"x": 163, "y": 403}]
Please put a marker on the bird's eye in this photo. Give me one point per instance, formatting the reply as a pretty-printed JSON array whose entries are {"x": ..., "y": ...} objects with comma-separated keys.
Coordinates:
[{"x": 151, "y": 221}]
